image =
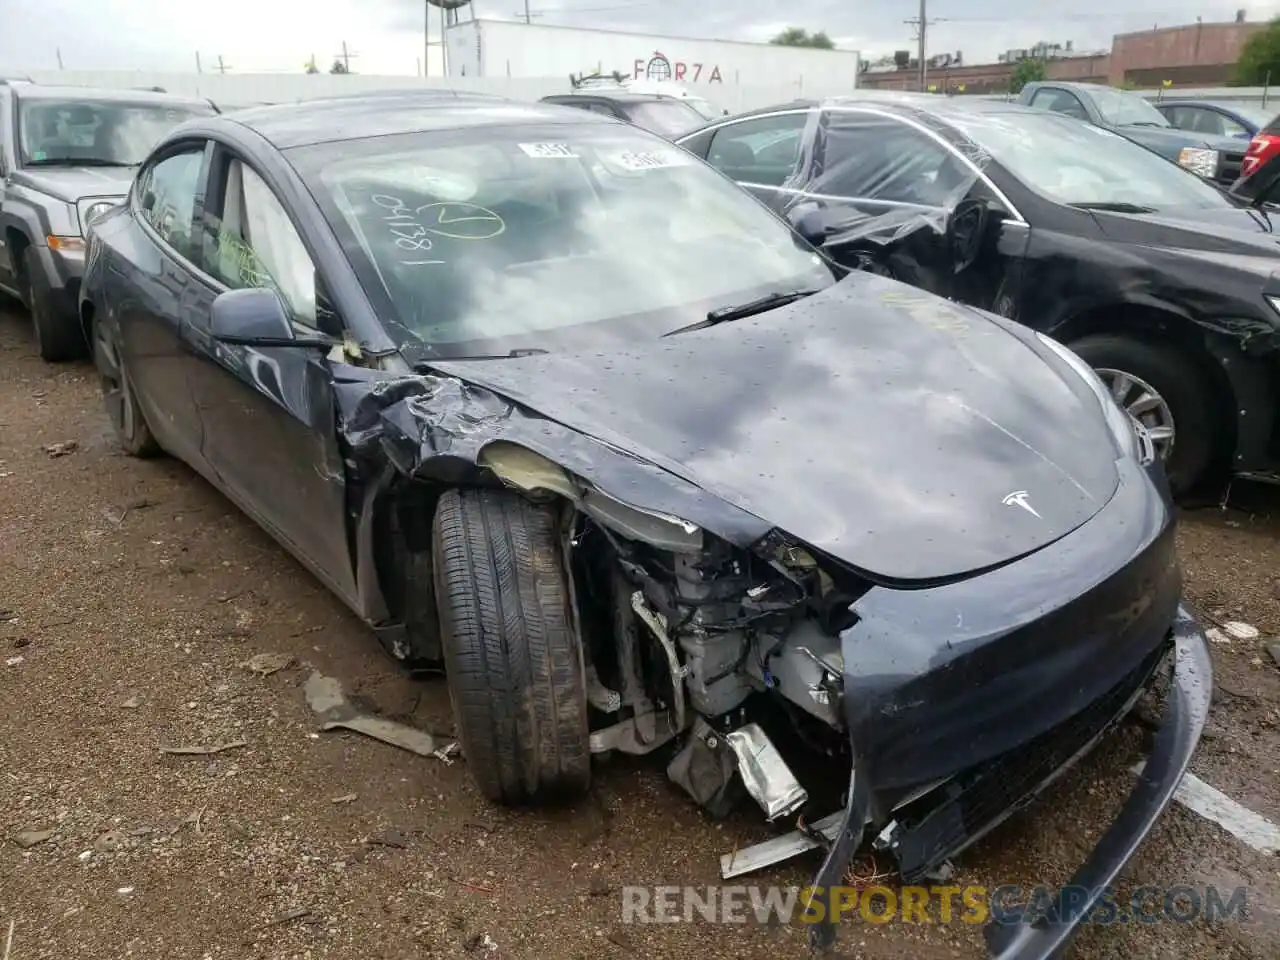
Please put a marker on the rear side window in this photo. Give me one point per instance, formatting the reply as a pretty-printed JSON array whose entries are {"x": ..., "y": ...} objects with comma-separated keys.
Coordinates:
[
  {"x": 1272, "y": 128},
  {"x": 167, "y": 198}
]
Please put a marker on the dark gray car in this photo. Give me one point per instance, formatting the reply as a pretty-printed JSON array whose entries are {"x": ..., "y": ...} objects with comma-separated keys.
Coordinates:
[{"x": 67, "y": 154}]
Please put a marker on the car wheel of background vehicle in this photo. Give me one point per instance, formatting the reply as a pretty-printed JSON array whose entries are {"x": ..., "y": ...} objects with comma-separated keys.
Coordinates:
[
  {"x": 512, "y": 657},
  {"x": 1165, "y": 391},
  {"x": 56, "y": 339},
  {"x": 117, "y": 392}
]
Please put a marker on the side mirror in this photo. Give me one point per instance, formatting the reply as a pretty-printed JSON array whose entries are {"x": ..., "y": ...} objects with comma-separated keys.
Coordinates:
[
  {"x": 256, "y": 317},
  {"x": 813, "y": 225},
  {"x": 1260, "y": 186}
]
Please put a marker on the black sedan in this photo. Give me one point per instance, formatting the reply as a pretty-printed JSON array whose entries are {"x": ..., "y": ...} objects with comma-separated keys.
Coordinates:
[
  {"x": 545, "y": 399},
  {"x": 1161, "y": 281}
]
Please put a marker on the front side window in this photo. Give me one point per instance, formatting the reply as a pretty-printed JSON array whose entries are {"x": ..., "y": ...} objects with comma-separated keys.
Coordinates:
[
  {"x": 1088, "y": 165},
  {"x": 499, "y": 238},
  {"x": 166, "y": 194},
  {"x": 254, "y": 244},
  {"x": 87, "y": 133},
  {"x": 868, "y": 156},
  {"x": 761, "y": 151}
]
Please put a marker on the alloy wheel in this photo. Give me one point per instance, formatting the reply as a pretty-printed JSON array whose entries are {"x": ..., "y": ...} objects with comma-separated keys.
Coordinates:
[
  {"x": 115, "y": 384},
  {"x": 1145, "y": 404}
]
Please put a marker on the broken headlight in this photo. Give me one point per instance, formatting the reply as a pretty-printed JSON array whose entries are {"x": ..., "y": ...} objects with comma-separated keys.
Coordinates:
[{"x": 1130, "y": 436}]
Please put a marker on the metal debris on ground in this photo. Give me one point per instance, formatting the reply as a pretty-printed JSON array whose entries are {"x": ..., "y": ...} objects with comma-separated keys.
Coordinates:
[
  {"x": 345, "y": 798},
  {"x": 296, "y": 914},
  {"x": 8, "y": 941},
  {"x": 481, "y": 941},
  {"x": 325, "y": 698},
  {"x": 1274, "y": 650},
  {"x": 265, "y": 664},
  {"x": 55, "y": 450},
  {"x": 204, "y": 751},
  {"x": 14, "y": 661}
]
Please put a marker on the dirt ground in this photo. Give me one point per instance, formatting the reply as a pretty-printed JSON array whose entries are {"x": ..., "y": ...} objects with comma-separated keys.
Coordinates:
[{"x": 131, "y": 597}]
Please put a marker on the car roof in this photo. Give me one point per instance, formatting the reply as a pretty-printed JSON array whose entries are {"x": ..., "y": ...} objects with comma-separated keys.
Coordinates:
[
  {"x": 357, "y": 117},
  {"x": 38, "y": 91},
  {"x": 901, "y": 102},
  {"x": 619, "y": 96}
]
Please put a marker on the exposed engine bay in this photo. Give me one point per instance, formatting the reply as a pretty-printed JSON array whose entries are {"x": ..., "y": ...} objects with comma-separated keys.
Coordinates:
[{"x": 683, "y": 633}]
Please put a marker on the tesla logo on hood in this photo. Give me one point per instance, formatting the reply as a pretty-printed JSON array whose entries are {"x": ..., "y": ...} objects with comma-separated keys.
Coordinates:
[{"x": 1019, "y": 499}]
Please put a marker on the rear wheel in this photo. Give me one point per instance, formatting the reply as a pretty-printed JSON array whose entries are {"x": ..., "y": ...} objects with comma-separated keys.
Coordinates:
[
  {"x": 126, "y": 416},
  {"x": 512, "y": 657},
  {"x": 1166, "y": 392},
  {"x": 57, "y": 338}
]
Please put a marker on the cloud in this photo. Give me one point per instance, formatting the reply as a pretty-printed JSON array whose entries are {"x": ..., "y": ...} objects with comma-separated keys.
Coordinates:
[{"x": 254, "y": 35}]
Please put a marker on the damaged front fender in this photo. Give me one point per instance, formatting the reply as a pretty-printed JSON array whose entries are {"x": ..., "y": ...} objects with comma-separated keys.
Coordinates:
[{"x": 443, "y": 430}]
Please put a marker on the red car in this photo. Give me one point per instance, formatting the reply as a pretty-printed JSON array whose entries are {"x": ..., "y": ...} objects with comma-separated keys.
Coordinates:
[{"x": 1264, "y": 145}]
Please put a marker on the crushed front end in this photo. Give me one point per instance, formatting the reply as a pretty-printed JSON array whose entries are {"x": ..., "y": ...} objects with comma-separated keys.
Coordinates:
[{"x": 965, "y": 701}]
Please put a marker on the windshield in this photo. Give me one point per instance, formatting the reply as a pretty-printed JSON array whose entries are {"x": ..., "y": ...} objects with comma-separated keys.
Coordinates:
[
  {"x": 1121, "y": 109},
  {"x": 1086, "y": 164},
  {"x": 117, "y": 134},
  {"x": 667, "y": 118},
  {"x": 704, "y": 108},
  {"x": 500, "y": 238}
]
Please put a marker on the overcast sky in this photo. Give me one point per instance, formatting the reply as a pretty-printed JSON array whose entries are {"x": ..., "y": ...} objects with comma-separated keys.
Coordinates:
[{"x": 280, "y": 35}]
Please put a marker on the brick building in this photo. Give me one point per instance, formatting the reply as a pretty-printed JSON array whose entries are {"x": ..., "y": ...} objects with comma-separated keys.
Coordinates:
[{"x": 1198, "y": 54}]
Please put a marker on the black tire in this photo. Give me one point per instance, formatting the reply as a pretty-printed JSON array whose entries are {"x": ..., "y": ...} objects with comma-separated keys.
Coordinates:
[
  {"x": 1184, "y": 387},
  {"x": 127, "y": 418},
  {"x": 512, "y": 657},
  {"x": 58, "y": 338}
]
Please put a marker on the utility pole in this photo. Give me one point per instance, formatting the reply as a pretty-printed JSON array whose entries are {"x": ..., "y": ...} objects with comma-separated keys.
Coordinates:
[
  {"x": 222, "y": 67},
  {"x": 526, "y": 11},
  {"x": 199, "y": 68},
  {"x": 922, "y": 24},
  {"x": 426, "y": 40},
  {"x": 345, "y": 56},
  {"x": 924, "y": 28}
]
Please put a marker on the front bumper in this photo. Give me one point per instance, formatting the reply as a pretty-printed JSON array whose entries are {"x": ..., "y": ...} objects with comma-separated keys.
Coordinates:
[
  {"x": 63, "y": 271},
  {"x": 1180, "y": 727}
]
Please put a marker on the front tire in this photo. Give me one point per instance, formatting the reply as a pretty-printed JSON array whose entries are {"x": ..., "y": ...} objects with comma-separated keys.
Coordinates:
[
  {"x": 512, "y": 657},
  {"x": 127, "y": 418},
  {"x": 1165, "y": 390},
  {"x": 58, "y": 339}
]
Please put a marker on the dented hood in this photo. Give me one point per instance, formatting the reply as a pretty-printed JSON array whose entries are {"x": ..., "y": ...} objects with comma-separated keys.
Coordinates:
[{"x": 912, "y": 438}]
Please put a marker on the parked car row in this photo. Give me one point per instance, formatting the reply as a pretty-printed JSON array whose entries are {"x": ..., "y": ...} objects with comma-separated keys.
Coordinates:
[{"x": 794, "y": 490}]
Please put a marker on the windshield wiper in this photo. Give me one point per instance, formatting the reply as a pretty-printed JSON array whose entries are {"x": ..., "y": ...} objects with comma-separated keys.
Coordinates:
[
  {"x": 749, "y": 309},
  {"x": 510, "y": 355},
  {"x": 1114, "y": 207},
  {"x": 81, "y": 162}
]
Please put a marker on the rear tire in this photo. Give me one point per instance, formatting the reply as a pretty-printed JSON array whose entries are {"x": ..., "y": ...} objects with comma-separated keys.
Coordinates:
[
  {"x": 58, "y": 339},
  {"x": 512, "y": 657},
  {"x": 1180, "y": 384}
]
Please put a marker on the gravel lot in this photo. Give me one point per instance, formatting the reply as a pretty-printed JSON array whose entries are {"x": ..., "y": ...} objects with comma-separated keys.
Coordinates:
[{"x": 131, "y": 597}]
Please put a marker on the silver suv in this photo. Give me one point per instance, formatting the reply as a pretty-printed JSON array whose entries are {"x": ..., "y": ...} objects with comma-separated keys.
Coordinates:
[{"x": 67, "y": 154}]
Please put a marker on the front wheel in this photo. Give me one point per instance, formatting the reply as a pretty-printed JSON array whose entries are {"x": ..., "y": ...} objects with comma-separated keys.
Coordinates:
[
  {"x": 1165, "y": 391},
  {"x": 512, "y": 657},
  {"x": 126, "y": 415}
]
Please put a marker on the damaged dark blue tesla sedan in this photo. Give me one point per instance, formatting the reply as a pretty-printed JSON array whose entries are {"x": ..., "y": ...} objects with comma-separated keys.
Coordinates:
[{"x": 555, "y": 406}]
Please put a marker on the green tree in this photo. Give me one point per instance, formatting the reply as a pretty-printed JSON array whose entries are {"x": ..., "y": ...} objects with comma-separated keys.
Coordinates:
[
  {"x": 1027, "y": 71},
  {"x": 800, "y": 37},
  {"x": 1260, "y": 57},
  {"x": 339, "y": 67}
]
